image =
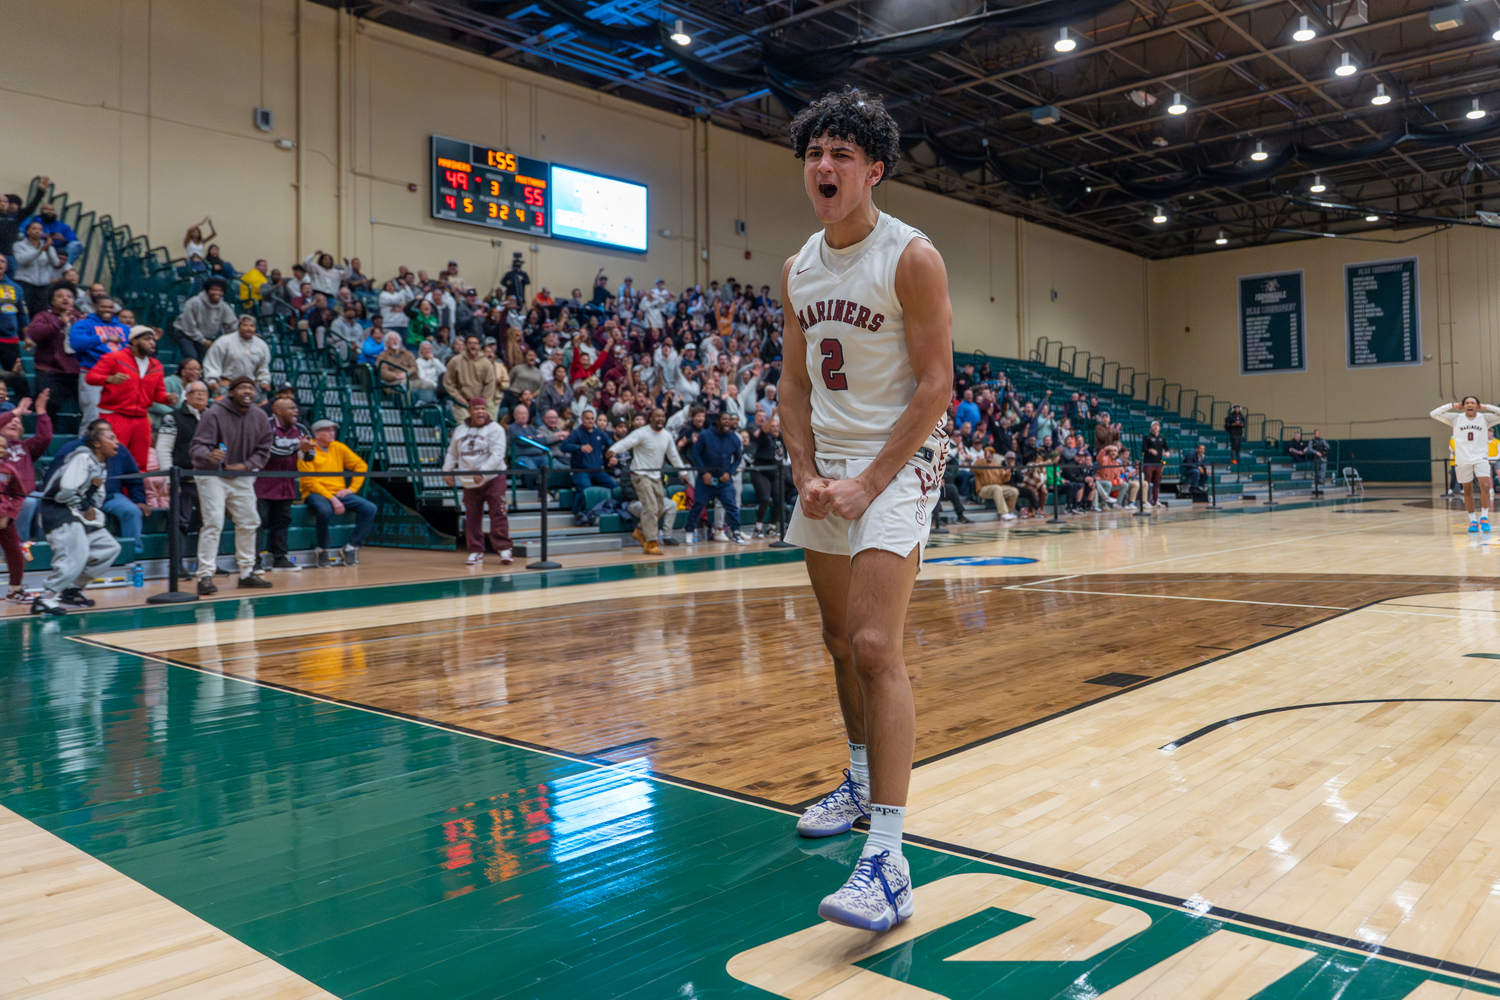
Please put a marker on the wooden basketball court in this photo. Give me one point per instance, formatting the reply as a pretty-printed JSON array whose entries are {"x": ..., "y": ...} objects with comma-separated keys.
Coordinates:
[{"x": 1198, "y": 755}]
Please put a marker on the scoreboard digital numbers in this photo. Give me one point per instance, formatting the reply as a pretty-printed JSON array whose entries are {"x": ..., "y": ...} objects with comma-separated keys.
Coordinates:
[{"x": 488, "y": 187}]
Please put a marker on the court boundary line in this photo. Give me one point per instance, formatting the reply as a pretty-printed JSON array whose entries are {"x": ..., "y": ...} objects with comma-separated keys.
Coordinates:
[
  {"x": 1201, "y": 908},
  {"x": 1213, "y": 727}
]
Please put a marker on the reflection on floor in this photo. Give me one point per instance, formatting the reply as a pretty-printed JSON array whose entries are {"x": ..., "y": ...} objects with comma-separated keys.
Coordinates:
[{"x": 1068, "y": 839}]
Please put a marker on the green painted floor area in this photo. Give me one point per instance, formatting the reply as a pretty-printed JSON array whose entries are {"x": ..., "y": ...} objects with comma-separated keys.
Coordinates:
[{"x": 382, "y": 858}]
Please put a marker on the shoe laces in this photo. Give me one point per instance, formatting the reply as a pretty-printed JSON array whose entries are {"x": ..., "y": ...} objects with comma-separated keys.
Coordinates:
[
  {"x": 849, "y": 788},
  {"x": 870, "y": 870}
]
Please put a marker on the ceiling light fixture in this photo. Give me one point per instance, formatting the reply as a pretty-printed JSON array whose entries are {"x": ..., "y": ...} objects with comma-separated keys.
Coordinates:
[
  {"x": 1496, "y": 35},
  {"x": 680, "y": 36},
  {"x": 1221, "y": 239},
  {"x": 1160, "y": 216},
  {"x": 1064, "y": 43},
  {"x": 1178, "y": 105},
  {"x": 1372, "y": 217},
  {"x": 1317, "y": 186},
  {"x": 1475, "y": 111},
  {"x": 1304, "y": 32},
  {"x": 1381, "y": 97},
  {"x": 1260, "y": 153},
  {"x": 1346, "y": 66}
]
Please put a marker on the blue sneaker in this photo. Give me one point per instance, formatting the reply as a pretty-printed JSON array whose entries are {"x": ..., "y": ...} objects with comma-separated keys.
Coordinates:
[
  {"x": 1484, "y": 524},
  {"x": 1473, "y": 527},
  {"x": 836, "y": 812},
  {"x": 877, "y": 896}
]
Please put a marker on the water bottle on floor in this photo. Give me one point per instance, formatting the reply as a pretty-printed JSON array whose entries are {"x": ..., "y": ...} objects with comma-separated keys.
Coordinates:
[{"x": 137, "y": 575}]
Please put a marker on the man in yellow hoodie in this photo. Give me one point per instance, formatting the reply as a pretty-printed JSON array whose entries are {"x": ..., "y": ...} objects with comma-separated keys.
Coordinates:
[{"x": 330, "y": 495}]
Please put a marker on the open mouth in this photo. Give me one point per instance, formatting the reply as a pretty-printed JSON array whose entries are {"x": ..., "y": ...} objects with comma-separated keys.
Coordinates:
[{"x": 828, "y": 190}]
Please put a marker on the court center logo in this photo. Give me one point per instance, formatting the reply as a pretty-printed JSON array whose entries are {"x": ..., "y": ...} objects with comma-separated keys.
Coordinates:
[{"x": 986, "y": 934}]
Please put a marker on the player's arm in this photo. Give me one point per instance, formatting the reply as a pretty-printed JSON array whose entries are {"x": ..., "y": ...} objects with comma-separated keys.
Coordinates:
[
  {"x": 1444, "y": 413},
  {"x": 1493, "y": 411},
  {"x": 922, "y": 287},
  {"x": 794, "y": 398}
]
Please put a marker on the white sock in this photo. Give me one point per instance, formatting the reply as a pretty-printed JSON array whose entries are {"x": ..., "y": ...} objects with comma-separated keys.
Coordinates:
[
  {"x": 1473, "y": 515},
  {"x": 885, "y": 830},
  {"x": 859, "y": 765}
]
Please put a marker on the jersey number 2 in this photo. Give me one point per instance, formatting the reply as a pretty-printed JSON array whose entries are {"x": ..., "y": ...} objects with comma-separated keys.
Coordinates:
[{"x": 833, "y": 361}]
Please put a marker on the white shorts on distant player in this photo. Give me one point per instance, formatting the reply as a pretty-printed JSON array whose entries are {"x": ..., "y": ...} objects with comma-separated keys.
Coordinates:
[
  {"x": 898, "y": 520},
  {"x": 1468, "y": 472}
]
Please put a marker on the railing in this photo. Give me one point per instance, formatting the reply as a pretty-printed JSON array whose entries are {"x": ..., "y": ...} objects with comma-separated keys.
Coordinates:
[
  {"x": 1187, "y": 402},
  {"x": 1154, "y": 393},
  {"x": 1104, "y": 376},
  {"x": 1066, "y": 366},
  {"x": 1171, "y": 392}
]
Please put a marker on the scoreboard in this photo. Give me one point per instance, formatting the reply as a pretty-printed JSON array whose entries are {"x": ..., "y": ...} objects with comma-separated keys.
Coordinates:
[{"x": 488, "y": 187}]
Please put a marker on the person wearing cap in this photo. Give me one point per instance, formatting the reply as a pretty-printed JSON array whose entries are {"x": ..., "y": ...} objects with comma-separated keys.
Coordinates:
[
  {"x": 203, "y": 319},
  {"x": 129, "y": 382},
  {"x": 327, "y": 496},
  {"x": 228, "y": 358},
  {"x": 283, "y": 390},
  {"x": 478, "y": 445},
  {"x": 992, "y": 478},
  {"x": 274, "y": 495},
  {"x": 233, "y": 435}
]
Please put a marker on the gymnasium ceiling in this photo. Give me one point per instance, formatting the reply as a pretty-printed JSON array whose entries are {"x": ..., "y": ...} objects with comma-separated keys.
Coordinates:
[{"x": 1113, "y": 154}]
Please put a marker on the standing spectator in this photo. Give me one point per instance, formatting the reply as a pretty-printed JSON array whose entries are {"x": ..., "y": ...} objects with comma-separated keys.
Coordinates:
[
  {"x": 1153, "y": 456},
  {"x": 470, "y": 375},
  {"x": 124, "y": 492},
  {"x": 765, "y": 467},
  {"x": 516, "y": 281},
  {"x": 234, "y": 435},
  {"x": 327, "y": 496},
  {"x": 393, "y": 302},
  {"x": 38, "y": 264},
  {"x": 325, "y": 275},
  {"x": 1317, "y": 454},
  {"x": 185, "y": 424},
  {"x": 91, "y": 338},
  {"x": 968, "y": 413},
  {"x": 204, "y": 319},
  {"x": 588, "y": 447},
  {"x": 56, "y": 368},
  {"x": 57, "y": 232},
  {"x": 1234, "y": 426},
  {"x": 130, "y": 381},
  {"x": 478, "y": 446},
  {"x": 13, "y": 319},
  {"x": 346, "y": 334},
  {"x": 12, "y": 213},
  {"x": 355, "y": 278},
  {"x": 73, "y": 517},
  {"x": 716, "y": 458},
  {"x": 194, "y": 239},
  {"x": 274, "y": 495},
  {"x": 17, "y": 479},
  {"x": 650, "y": 448},
  {"x": 244, "y": 355}
]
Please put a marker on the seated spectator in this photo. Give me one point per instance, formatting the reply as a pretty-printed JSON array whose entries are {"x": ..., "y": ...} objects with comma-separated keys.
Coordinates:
[
  {"x": 327, "y": 496},
  {"x": 18, "y": 456},
  {"x": 992, "y": 476},
  {"x": 422, "y": 321},
  {"x": 1194, "y": 470},
  {"x": 354, "y": 277},
  {"x": 478, "y": 446},
  {"x": 290, "y": 442},
  {"x": 204, "y": 318},
  {"x": 347, "y": 334},
  {"x": 251, "y": 282},
  {"x": 429, "y": 369},
  {"x": 73, "y": 517},
  {"x": 588, "y": 447},
  {"x": 245, "y": 355},
  {"x": 218, "y": 266},
  {"x": 374, "y": 343},
  {"x": 395, "y": 365},
  {"x": 188, "y": 370}
]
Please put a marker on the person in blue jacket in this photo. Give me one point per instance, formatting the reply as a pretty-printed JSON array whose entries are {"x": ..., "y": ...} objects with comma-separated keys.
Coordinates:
[
  {"x": 58, "y": 232},
  {"x": 91, "y": 338},
  {"x": 588, "y": 450},
  {"x": 715, "y": 457},
  {"x": 124, "y": 498}
]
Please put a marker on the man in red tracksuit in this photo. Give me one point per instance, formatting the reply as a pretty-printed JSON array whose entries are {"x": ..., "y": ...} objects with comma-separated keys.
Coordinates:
[{"x": 132, "y": 381}]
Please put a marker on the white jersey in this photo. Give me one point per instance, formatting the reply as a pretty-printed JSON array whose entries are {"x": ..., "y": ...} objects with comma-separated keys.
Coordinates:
[
  {"x": 855, "y": 329},
  {"x": 1471, "y": 435}
]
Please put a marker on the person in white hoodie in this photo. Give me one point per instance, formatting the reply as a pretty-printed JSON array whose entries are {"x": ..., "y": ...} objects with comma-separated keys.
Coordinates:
[
  {"x": 72, "y": 512},
  {"x": 478, "y": 444},
  {"x": 650, "y": 448}
]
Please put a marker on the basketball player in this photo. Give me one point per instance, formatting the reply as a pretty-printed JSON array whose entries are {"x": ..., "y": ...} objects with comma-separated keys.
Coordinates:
[
  {"x": 868, "y": 376},
  {"x": 1471, "y": 452}
]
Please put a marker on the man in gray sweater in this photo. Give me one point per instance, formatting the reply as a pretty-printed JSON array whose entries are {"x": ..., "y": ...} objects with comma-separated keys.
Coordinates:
[
  {"x": 204, "y": 318},
  {"x": 234, "y": 435},
  {"x": 72, "y": 512}
]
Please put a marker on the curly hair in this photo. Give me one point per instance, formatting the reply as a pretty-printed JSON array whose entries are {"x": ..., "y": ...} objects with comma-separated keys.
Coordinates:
[{"x": 853, "y": 115}]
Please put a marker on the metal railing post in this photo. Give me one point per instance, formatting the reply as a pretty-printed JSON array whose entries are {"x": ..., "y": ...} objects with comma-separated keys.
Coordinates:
[
  {"x": 781, "y": 542},
  {"x": 174, "y": 544},
  {"x": 544, "y": 562}
]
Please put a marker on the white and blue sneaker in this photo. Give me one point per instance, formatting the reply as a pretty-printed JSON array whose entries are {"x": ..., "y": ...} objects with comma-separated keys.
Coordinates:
[
  {"x": 836, "y": 812},
  {"x": 1473, "y": 527},
  {"x": 877, "y": 896},
  {"x": 1484, "y": 523}
]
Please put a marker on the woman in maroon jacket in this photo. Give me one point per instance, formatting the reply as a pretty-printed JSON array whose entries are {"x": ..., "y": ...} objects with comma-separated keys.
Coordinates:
[
  {"x": 56, "y": 369},
  {"x": 18, "y": 478}
]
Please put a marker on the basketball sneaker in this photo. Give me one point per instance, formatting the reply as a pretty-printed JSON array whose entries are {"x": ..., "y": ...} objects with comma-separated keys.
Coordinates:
[
  {"x": 1484, "y": 522},
  {"x": 877, "y": 896},
  {"x": 1473, "y": 527},
  {"x": 836, "y": 812}
]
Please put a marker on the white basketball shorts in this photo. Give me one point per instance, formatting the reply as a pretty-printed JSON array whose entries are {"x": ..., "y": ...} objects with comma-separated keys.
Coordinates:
[
  {"x": 898, "y": 520},
  {"x": 1469, "y": 471}
]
